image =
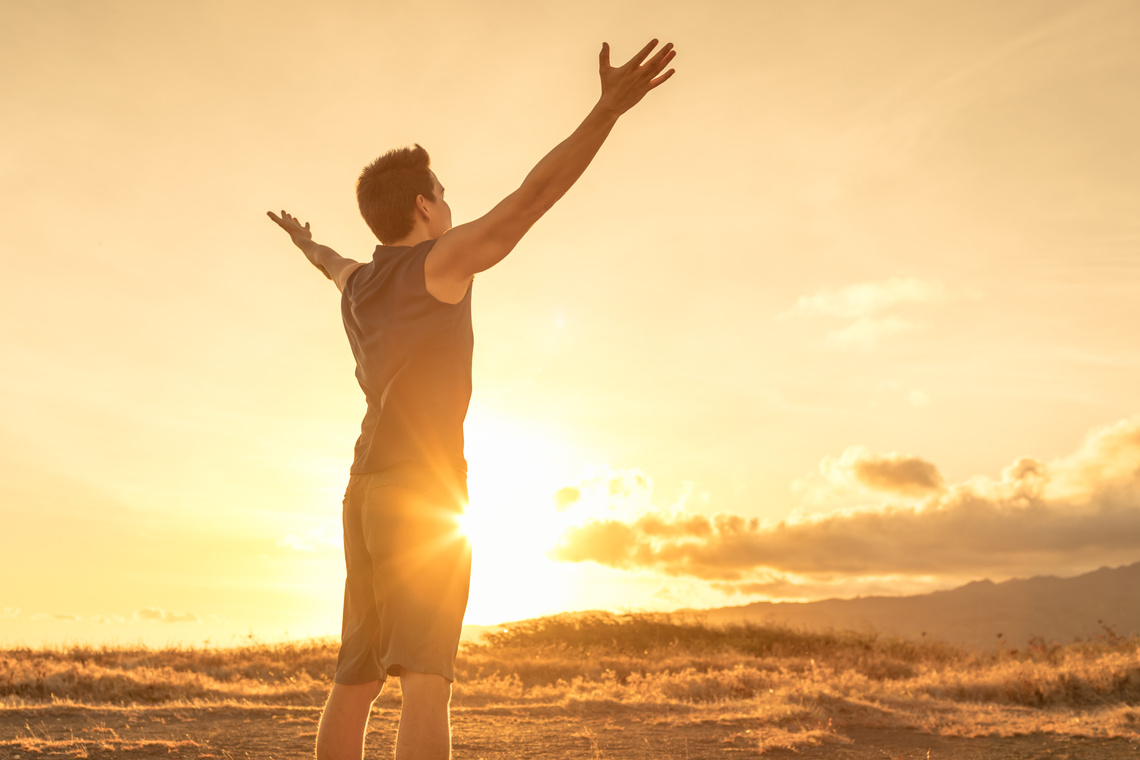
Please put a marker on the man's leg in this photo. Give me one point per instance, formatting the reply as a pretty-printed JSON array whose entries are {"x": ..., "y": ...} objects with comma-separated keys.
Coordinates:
[
  {"x": 345, "y": 719},
  {"x": 425, "y": 725}
]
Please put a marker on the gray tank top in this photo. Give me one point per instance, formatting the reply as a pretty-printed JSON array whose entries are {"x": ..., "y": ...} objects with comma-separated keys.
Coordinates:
[{"x": 413, "y": 362}]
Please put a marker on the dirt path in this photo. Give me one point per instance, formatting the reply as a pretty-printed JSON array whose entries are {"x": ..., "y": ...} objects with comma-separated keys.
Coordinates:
[{"x": 287, "y": 733}]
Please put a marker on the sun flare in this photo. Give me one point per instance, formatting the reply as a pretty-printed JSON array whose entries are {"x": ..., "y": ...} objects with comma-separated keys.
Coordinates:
[{"x": 512, "y": 521}]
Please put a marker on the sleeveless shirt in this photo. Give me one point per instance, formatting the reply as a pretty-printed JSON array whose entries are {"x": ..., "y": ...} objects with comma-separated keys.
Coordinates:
[{"x": 413, "y": 362}]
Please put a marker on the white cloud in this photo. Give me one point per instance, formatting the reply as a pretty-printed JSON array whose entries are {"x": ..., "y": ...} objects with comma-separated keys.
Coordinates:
[
  {"x": 1109, "y": 461},
  {"x": 66, "y": 617},
  {"x": 292, "y": 541},
  {"x": 9, "y": 612},
  {"x": 162, "y": 616},
  {"x": 865, "y": 306},
  {"x": 315, "y": 538},
  {"x": 866, "y": 332},
  {"x": 866, "y": 299},
  {"x": 860, "y": 479},
  {"x": 605, "y": 491},
  {"x": 892, "y": 473}
]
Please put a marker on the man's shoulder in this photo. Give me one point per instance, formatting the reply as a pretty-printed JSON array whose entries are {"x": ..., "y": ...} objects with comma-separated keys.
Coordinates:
[
  {"x": 391, "y": 270},
  {"x": 361, "y": 273}
]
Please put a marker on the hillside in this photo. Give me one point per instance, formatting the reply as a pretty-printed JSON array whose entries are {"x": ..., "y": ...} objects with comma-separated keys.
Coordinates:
[{"x": 1054, "y": 609}]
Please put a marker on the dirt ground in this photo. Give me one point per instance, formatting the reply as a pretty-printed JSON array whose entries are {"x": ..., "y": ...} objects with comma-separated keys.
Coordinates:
[{"x": 287, "y": 733}]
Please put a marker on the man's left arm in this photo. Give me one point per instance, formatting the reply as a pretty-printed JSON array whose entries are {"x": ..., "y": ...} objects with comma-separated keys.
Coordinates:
[{"x": 334, "y": 266}]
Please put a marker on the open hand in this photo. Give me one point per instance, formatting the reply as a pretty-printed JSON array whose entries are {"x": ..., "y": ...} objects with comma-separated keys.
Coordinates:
[
  {"x": 292, "y": 225},
  {"x": 623, "y": 87}
]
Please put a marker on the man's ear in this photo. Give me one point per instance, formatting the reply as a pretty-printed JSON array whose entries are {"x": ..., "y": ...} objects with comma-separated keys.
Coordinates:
[{"x": 422, "y": 207}]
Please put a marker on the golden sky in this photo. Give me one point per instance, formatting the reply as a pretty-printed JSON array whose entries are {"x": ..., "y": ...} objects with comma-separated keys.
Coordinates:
[{"x": 849, "y": 306}]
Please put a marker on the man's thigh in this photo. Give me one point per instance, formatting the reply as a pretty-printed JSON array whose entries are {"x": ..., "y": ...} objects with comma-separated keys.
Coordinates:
[{"x": 416, "y": 567}]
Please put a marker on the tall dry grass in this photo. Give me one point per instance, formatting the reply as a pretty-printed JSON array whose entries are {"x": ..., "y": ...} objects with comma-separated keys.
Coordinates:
[
  {"x": 653, "y": 665},
  {"x": 287, "y": 673}
]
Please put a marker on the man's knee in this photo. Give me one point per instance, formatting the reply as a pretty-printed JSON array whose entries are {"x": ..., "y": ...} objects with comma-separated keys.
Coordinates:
[
  {"x": 425, "y": 688},
  {"x": 355, "y": 696}
]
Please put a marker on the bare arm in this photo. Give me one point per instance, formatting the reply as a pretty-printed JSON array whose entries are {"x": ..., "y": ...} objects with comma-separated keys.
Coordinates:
[
  {"x": 334, "y": 266},
  {"x": 479, "y": 245}
]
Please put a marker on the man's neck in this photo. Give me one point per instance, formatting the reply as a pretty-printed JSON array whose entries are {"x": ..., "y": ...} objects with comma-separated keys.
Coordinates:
[{"x": 415, "y": 237}]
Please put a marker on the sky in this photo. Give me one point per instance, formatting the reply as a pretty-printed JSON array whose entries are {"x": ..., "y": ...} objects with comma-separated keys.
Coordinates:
[{"x": 846, "y": 307}]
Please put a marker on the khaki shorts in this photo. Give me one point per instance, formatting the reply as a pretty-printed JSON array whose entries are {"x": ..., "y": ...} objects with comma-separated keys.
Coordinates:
[{"x": 409, "y": 570}]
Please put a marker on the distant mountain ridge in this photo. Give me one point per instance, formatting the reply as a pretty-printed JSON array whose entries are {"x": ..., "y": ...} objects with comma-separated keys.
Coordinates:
[{"x": 1056, "y": 609}]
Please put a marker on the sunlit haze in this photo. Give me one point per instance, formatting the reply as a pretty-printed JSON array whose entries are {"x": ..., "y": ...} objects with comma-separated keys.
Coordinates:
[{"x": 849, "y": 307}]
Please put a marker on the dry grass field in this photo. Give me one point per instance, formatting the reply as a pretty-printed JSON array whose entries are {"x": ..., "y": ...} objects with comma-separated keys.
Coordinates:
[{"x": 600, "y": 686}]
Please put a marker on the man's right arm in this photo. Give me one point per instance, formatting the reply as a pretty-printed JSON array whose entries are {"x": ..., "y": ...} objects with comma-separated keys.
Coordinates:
[
  {"x": 476, "y": 246},
  {"x": 334, "y": 266}
]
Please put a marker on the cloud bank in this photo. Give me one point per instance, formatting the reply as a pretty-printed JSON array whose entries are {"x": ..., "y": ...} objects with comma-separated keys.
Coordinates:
[{"x": 1079, "y": 511}]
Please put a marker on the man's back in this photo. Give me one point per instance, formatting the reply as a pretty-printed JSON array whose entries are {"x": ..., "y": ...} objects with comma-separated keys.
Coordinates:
[{"x": 413, "y": 362}]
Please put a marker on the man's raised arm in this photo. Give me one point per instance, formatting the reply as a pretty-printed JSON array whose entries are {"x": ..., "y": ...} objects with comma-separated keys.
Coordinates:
[
  {"x": 334, "y": 266},
  {"x": 479, "y": 245}
]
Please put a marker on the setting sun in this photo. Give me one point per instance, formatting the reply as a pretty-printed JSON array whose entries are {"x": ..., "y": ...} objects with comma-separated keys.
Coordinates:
[{"x": 512, "y": 521}]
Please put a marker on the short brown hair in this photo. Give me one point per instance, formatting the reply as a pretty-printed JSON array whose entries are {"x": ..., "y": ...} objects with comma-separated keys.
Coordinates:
[{"x": 387, "y": 190}]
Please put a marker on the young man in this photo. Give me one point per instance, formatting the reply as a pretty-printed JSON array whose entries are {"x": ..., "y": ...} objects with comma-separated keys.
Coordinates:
[{"x": 407, "y": 313}]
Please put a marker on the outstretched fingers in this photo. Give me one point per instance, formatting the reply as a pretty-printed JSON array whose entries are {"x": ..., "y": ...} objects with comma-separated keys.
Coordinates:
[
  {"x": 289, "y": 223},
  {"x": 637, "y": 59},
  {"x": 663, "y": 56},
  {"x": 655, "y": 65},
  {"x": 661, "y": 79},
  {"x": 623, "y": 87}
]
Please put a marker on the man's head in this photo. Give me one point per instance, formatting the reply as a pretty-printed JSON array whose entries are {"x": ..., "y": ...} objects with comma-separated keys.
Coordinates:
[{"x": 398, "y": 190}]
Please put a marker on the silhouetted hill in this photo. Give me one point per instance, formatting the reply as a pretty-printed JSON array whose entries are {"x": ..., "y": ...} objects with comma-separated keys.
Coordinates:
[{"x": 1056, "y": 609}]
